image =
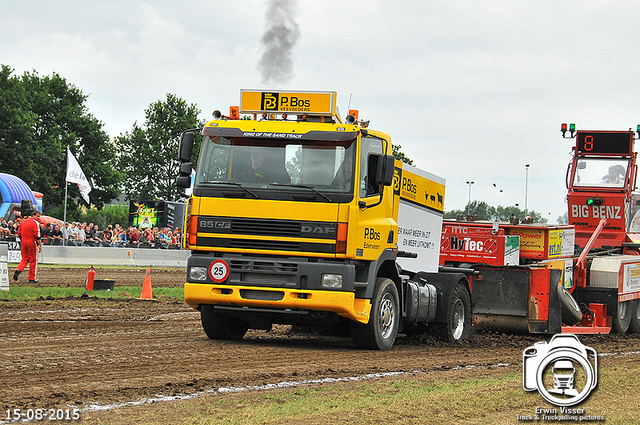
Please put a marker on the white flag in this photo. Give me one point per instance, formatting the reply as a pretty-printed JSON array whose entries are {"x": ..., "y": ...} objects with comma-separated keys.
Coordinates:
[{"x": 75, "y": 175}]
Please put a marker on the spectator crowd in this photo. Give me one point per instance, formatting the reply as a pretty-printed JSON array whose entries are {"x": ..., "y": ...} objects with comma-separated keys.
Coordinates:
[{"x": 83, "y": 234}]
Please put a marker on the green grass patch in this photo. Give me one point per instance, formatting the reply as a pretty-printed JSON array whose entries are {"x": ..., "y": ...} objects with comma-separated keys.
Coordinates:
[
  {"x": 25, "y": 293},
  {"x": 415, "y": 399}
]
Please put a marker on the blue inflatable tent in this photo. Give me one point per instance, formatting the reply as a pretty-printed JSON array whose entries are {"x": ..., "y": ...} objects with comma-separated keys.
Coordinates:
[{"x": 12, "y": 191}]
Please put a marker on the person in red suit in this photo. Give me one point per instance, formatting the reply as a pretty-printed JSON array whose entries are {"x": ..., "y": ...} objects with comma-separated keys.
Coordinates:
[{"x": 29, "y": 234}]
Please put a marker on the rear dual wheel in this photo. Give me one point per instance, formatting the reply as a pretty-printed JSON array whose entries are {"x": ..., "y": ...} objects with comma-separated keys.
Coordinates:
[
  {"x": 634, "y": 325},
  {"x": 458, "y": 325},
  {"x": 623, "y": 317}
]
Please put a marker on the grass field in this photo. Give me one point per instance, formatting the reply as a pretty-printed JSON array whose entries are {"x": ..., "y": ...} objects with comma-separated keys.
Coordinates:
[{"x": 119, "y": 292}]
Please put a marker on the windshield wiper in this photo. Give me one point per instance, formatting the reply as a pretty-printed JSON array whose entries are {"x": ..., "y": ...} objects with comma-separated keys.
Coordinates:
[
  {"x": 235, "y": 184},
  {"x": 303, "y": 187}
]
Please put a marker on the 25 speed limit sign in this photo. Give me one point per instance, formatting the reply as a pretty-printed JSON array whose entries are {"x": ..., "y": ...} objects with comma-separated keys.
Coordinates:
[{"x": 219, "y": 271}]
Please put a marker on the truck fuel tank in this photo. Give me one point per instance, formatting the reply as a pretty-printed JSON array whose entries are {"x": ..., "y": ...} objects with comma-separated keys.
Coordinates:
[{"x": 421, "y": 301}]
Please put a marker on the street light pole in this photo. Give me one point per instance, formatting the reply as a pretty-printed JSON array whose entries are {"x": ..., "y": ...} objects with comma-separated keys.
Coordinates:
[
  {"x": 469, "y": 203},
  {"x": 526, "y": 188}
]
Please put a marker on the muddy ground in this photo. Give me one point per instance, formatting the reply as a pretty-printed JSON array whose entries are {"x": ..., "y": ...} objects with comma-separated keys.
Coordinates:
[{"x": 83, "y": 351}]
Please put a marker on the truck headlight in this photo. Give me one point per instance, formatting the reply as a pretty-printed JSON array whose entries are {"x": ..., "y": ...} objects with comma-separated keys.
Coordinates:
[
  {"x": 333, "y": 281},
  {"x": 198, "y": 273}
]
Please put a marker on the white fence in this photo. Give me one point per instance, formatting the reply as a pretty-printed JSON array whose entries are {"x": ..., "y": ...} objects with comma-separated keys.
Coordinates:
[{"x": 102, "y": 256}]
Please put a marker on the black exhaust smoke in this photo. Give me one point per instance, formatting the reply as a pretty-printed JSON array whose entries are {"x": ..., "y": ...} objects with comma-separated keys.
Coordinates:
[{"x": 281, "y": 34}]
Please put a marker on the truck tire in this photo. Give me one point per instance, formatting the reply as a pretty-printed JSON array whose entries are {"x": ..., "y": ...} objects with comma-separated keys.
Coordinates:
[
  {"x": 634, "y": 326},
  {"x": 622, "y": 318},
  {"x": 458, "y": 325},
  {"x": 380, "y": 333},
  {"x": 571, "y": 313},
  {"x": 218, "y": 326}
]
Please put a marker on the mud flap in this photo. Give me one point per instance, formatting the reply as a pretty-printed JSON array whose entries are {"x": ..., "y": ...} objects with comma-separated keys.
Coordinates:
[
  {"x": 517, "y": 299},
  {"x": 545, "y": 309}
]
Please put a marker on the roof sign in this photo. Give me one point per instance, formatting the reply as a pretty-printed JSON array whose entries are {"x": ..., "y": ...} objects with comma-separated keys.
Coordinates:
[{"x": 283, "y": 102}]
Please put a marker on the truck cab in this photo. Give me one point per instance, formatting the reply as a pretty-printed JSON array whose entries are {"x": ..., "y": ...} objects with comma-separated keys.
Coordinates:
[
  {"x": 601, "y": 180},
  {"x": 294, "y": 219}
]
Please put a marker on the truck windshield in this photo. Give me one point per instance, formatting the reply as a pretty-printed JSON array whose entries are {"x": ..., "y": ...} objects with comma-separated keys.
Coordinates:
[
  {"x": 600, "y": 172},
  {"x": 280, "y": 166}
]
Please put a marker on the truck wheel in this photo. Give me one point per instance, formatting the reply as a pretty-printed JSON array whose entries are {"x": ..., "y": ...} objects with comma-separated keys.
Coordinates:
[
  {"x": 571, "y": 313},
  {"x": 458, "y": 326},
  {"x": 634, "y": 326},
  {"x": 622, "y": 319},
  {"x": 380, "y": 332},
  {"x": 218, "y": 326}
]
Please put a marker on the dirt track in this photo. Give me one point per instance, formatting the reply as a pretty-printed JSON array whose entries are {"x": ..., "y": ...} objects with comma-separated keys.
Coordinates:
[{"x": 79, "y": 351}]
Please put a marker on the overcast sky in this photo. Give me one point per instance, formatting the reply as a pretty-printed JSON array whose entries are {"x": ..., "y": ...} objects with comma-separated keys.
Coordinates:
[{"x": 471, "y": 90}]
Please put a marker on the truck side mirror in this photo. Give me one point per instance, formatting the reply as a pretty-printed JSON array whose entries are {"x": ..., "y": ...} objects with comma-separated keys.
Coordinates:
[
  {"x": 388, "y": 170},
  {"x": 186, "y": 147},
  {"x": 184, "y": 179},
  {"x": 381, "y": 169}
]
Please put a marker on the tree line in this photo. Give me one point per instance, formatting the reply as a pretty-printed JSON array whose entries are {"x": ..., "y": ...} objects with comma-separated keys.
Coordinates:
[
  {"x": 483, "y": 211},
  {"x": 40, "y": 116}
]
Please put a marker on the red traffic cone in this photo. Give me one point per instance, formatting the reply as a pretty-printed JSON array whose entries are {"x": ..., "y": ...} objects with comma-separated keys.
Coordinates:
[
  {"x": 90, "y": 277},
  {"x": 147, "y": 292}
]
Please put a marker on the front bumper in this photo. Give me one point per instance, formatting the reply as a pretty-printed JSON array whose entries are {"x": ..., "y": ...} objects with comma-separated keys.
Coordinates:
[{"x": 342, "y": 303}]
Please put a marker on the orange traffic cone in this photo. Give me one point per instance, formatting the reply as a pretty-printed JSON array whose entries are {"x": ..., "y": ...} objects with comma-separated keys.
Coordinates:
[{"x": 147, "y": 292}]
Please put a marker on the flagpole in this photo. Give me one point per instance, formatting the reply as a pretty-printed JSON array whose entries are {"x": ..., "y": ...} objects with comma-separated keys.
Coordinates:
[
  {"x": 66, "y": 188},
  {"x": 64, "y": 219}
]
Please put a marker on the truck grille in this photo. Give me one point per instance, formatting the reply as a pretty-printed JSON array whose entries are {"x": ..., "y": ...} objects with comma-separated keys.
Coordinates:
[
  {"x": 254, "y": 244},
  {"x": 253, "y": 226},
  {"x": 324, "y": 233},
  {"x": 268, "y": 227}
]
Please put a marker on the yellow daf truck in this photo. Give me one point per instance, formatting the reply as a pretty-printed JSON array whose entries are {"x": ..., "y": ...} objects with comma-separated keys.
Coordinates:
[{"x": 299, "y": 217}]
